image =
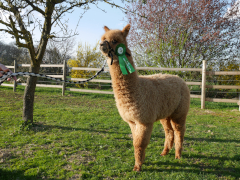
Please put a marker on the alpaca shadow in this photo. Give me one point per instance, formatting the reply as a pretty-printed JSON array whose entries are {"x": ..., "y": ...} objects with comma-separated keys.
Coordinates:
[
  {"x": 40, "y": 127},
  {"x": 16, "y": 174},
  {"x": 202, "y": 139},
  {"x": 212, "y": 140},
  {"x": 44, "y": 127},
  {"x": 197, "y": 168}
]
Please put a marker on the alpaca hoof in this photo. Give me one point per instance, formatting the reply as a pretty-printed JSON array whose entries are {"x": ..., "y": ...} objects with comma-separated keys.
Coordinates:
[
  {"x": 164, "y": 153},
  {"x": 177, "y": 157},
  {"x": 137, "y": 168}
]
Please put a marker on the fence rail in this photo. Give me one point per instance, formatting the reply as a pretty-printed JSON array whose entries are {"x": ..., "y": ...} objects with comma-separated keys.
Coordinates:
[{"x": 202, "y": 84}]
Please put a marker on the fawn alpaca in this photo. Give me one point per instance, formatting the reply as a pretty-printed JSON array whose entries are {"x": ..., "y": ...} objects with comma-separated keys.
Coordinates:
[{"x": 143, "y": 100}]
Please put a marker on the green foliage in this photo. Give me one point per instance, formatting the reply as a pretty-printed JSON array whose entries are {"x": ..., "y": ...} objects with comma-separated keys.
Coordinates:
[
  {"x": 229, "y": 79},
  {"x": 232, "y": 80},
  {"x": 82, "y": 136},
  {"x": 86, "y": 57}
]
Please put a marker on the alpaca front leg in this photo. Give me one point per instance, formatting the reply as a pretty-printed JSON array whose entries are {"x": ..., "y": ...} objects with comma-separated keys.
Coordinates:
[{"x": 141, "y": 137}]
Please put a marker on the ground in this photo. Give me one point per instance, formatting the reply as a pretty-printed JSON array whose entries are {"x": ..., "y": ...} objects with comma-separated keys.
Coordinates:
[{"x": 82, "y": 136}]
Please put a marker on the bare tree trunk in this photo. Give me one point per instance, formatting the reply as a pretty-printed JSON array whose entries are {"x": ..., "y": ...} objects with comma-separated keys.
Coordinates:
[{"x": 28, "y": 99}]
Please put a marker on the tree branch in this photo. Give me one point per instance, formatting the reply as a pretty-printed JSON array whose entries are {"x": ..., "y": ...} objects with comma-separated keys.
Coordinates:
[
  {"x": 7, "y": 31},
  {"x": 15, "y": 31},
  {"x": 126, "y": 10},
  {"x": 21, "y": 44},
  {"x": 4, "y": 23},
  {"x": 26, "y": 34},
  {"x": 4, "y": 7},
  {"x": 35, "y": 7},
  {"x": 66, "y": 10},
  {"x": 46, "y": 30}
]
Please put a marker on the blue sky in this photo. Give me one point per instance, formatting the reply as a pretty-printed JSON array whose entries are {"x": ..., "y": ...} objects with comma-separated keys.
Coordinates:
[{"x": 90, "y": 28}]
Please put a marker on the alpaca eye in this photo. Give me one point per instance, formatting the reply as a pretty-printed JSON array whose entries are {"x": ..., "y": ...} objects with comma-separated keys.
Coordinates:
[{"x": 114, "y": 41}]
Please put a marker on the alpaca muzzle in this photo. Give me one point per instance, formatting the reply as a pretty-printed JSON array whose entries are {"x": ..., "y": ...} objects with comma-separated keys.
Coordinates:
[{"x": 106, "y": 48}]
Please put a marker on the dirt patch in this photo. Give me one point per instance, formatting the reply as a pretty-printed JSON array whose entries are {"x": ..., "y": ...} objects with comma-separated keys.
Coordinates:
[
  {"x": 76, "y": 176},
  {"x": 5, "y": 155},
  {"x": 130, "y": 135},
  {"x": 80, "y": 157},
  {"x": 209, "y": 112}
]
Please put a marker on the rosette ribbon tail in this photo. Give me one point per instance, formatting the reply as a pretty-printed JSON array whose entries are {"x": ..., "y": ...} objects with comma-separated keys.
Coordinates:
[
  {"x": 123, "y": 60},
  {"x": 124, "y": 63}
]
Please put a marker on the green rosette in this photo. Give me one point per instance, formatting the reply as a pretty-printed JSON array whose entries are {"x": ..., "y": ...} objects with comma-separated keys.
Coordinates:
[{"x": 120, "y": 51}]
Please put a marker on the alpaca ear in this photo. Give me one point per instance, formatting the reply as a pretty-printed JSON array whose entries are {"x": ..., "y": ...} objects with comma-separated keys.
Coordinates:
[
  {"x": 126, "y": 30},
  {"x": 106, "y": 28}
]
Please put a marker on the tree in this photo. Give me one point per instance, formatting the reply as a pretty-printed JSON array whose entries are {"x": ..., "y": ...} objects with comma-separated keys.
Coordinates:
[
  {"x": 17, "y": 17},
  {"x": 180, "y": 33},
  {"x": 86, "y": 57}
]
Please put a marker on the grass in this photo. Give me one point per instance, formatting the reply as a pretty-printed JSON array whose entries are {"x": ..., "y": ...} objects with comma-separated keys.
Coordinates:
[{"x": 82, "y": 136}]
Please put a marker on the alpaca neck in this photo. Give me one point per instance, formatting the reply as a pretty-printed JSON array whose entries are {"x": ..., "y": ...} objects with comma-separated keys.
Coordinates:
[{"x": 122, "y": 82}]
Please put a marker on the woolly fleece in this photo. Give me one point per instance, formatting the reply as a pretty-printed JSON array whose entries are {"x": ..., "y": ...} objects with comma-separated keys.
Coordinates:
[{"x": 143, "y": 100}]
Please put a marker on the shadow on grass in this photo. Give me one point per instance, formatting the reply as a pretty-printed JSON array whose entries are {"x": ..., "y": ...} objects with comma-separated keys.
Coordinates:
[
  {"x": 234, "y": 158},
  {"x": 43, "y": 127},
  {"x": 203, "y": 139},
  {"x": 211, "y": 140},
  {"x": 200, "y": 168},
  {"x": 15, "y": 174}
]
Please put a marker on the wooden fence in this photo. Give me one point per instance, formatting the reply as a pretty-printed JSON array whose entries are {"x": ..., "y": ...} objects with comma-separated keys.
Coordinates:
[{"x": 202, "y": 84}]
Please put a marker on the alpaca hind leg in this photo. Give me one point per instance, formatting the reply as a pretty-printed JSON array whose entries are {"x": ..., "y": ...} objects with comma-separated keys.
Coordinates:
[
  {"x": 179, "y": 128},
  {"x": 169, "y": 136},
  {"x": 141, "y": 137}
]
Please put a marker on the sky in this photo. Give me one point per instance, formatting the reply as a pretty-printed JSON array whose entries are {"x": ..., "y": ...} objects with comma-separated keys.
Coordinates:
[{"x": 90, "y": 28}]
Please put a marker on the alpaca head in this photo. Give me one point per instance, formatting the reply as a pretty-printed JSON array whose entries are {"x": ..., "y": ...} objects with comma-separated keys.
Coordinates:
[{"x": 112, "y": 38}]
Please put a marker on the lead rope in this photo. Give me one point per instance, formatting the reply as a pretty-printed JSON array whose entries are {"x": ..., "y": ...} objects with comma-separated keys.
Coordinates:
[{"x": 9, "y": 75}]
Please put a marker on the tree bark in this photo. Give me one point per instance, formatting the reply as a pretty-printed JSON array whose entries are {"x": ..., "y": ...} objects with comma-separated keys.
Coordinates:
[{"x": 28, "y": 99}]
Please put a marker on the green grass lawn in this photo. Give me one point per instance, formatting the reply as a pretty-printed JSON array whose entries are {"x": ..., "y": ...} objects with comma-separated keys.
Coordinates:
[{"x": 82, "y": 136}]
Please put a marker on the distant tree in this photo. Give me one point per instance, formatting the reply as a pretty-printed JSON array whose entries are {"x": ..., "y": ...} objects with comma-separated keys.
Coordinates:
[
  {"x": 86, "y": 57},
  {"x": 180, "y": 33},
  {"x": 10, "y": 52}
]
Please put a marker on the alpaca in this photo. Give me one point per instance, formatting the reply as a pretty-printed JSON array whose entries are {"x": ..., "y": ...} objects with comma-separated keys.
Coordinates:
[{"x": 143, "y": 100}]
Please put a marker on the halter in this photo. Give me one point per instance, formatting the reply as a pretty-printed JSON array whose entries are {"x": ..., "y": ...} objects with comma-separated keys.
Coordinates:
[{"x": 111, "y": 50}]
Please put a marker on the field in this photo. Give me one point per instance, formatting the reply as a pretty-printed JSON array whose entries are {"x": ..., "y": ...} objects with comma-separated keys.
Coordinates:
[{"x": 82, "y": 136}]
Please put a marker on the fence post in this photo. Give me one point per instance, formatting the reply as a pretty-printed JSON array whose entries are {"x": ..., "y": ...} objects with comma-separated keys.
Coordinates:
[
  {"x": 203, "y": 91},
  {"x": 15, "y": 70},
  {"x": 64, "y": 77},
  {"x": 239, "y": 102}
]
